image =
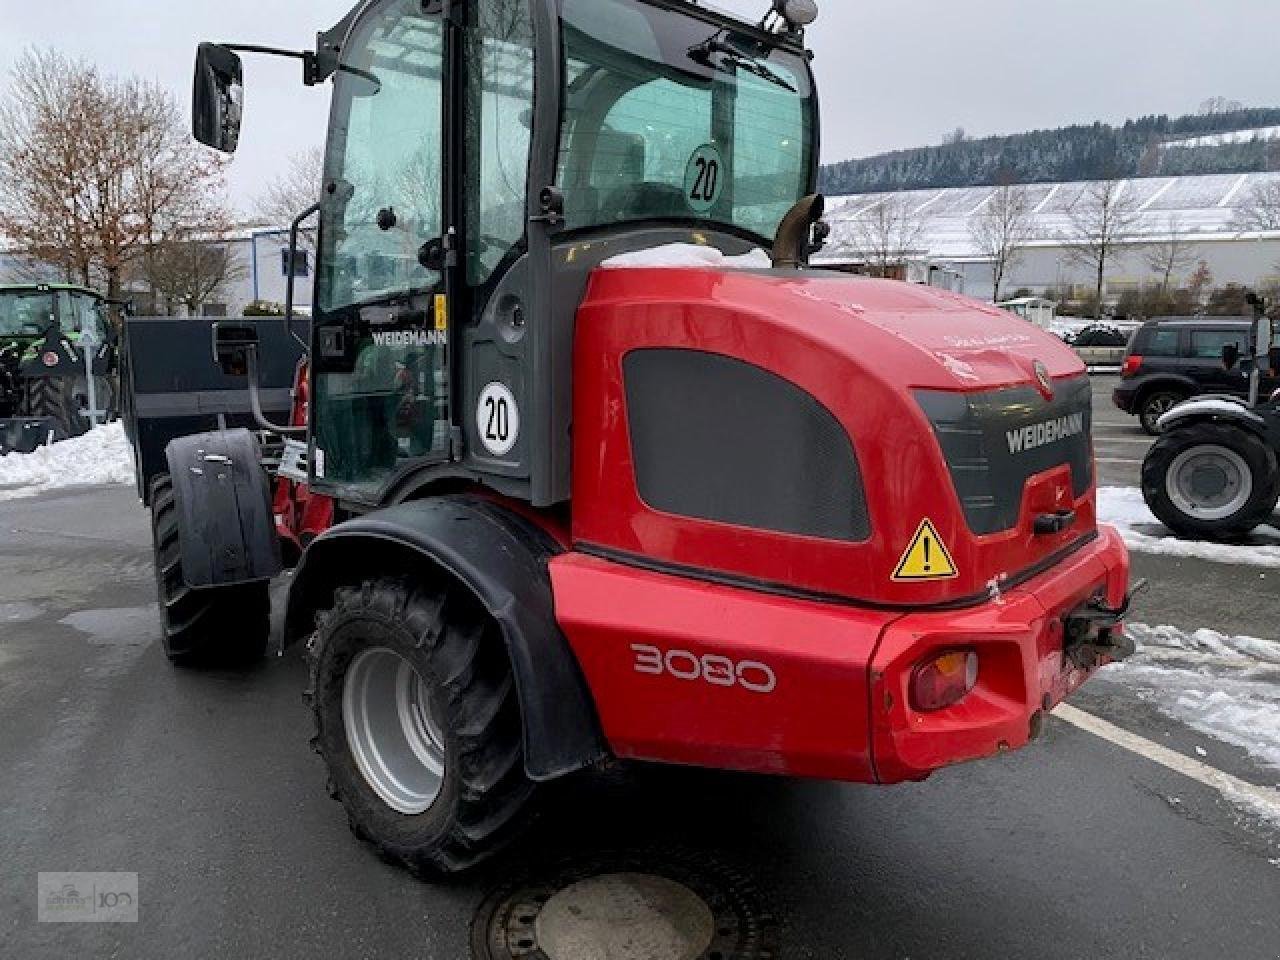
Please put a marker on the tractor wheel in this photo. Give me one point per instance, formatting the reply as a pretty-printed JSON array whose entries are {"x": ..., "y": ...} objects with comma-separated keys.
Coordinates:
[
  {"x": 1156, "y": 405},
  {"x": 65, "y": 398},
  {"x": 417, "y": 718},
  {"x": 54, "y": 397},
  {"x": 216, "y": 625},
  {"x": 1211, "y": 481}
]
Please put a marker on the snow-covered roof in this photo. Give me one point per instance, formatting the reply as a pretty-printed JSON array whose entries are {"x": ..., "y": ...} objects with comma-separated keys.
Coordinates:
[{"x": 1204, "y": 207}]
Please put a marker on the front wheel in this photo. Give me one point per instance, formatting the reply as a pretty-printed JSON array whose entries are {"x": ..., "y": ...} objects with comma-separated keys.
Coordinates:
[
  {"x": 1211, "y": 481},
  {"x": 217, "y": 625},
  {"x": 418, "y": 721}
]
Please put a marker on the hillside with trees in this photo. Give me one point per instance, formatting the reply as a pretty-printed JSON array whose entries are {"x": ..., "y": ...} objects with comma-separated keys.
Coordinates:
[{"x": 1139, "y": 148}]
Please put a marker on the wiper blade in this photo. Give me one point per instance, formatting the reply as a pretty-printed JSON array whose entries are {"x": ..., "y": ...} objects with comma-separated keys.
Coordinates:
[{"x": 702, "y": 54}]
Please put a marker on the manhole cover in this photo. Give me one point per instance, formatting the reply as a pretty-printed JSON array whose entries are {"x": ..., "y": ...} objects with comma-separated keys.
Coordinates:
[{"x": 625, "y": 907}]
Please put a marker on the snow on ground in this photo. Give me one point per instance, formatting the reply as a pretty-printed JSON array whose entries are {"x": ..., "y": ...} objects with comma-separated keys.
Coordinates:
[
  {"x": 1124, "y": 508},
  {"x": 100, "y": 456},
  {"x": 1225, "y": 687}
]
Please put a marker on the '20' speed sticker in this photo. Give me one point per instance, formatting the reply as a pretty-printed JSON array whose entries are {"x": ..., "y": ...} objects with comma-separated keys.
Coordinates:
[
  {"x": 498, "y": 419},
  {"x": 704, "y": 178}
]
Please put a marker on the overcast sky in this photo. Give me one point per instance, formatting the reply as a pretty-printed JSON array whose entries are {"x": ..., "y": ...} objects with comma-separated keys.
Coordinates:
[{"x": 892, "y": 74}]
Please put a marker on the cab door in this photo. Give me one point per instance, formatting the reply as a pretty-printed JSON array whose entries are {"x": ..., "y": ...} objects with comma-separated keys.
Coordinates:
[{"x": 387, "y": 265}]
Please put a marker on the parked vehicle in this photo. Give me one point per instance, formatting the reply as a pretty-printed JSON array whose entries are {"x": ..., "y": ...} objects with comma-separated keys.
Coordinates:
[
  {"x": 44, "y": 380},
  {"x": 1100, "y": 335},
  {"x": 1214, "y": 474},
  {"x": 581, "y": 509},
  {"x": 1173, "y": 359}
]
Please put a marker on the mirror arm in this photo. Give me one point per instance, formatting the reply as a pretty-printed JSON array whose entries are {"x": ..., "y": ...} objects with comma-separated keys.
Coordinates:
[
  {"x": 293, "y": 254},
  {"x": 255, "y": 399},
  {"x": 316, "y": 67}
]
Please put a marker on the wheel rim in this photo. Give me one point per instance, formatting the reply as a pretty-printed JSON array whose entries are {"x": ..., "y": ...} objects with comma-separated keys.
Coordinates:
[
  {"x": 1158, "y": 406},
  {"x": 397, "y": 745},
  {"x": 1210, "y": 482}
]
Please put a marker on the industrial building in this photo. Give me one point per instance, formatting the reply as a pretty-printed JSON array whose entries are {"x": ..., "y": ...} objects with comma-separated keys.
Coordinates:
[{"x": 942, "y": 251}]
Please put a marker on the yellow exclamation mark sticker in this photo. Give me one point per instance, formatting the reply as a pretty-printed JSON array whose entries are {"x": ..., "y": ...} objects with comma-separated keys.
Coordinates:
[{"x": 927, "y": 558}]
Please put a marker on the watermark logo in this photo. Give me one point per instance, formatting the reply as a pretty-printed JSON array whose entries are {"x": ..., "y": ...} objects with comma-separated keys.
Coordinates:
[{"x": 87, "y": 897}]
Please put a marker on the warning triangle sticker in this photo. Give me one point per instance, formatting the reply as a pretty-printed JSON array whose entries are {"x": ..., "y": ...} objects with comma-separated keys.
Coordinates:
[{"x": 927, "y": 558}]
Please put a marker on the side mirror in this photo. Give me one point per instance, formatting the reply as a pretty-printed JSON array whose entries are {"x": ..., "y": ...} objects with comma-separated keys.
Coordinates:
[
  {"x": 1230, "y": 355},
  {"x": 231, "y": 345},
  {"x": 217, "y": 97}
]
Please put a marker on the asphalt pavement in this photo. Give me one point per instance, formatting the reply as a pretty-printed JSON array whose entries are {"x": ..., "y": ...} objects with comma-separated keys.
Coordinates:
[{"x": 203, "y": 784}]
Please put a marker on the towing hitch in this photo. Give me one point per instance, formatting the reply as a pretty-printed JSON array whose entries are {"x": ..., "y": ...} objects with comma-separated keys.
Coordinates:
[{"x": 1093, "y": 634}]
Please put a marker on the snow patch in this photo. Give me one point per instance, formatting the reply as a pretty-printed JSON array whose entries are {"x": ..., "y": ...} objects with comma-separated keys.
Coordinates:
[
  {"x": 685, "y": 256},
  {"x": 1225, "y": 687},
  {"x": 102, "y": 455},
  {"x": 1124, "y": 509}
]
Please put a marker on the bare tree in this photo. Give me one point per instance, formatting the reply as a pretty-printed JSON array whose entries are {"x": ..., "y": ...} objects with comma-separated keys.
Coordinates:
[
  {"x": 190, "y": 270},
  {"x": 93, "y": 167},
  {"x": 885, "y": 234},
  {"x": 1101, "y": 220},
  {"x": 1217, "y": 105},
  {"x": 1260, "y": 209},
  {"x": 1172, "y": 254},
  {"x": 1001, "y": 230},
  {"x": 293, "y": 190}
]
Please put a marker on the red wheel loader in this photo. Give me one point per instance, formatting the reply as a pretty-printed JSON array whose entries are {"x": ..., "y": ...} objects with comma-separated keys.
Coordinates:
[{"x": 582, "y": 481}]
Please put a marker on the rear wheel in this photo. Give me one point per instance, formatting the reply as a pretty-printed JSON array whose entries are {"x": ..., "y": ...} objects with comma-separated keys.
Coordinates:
[
  {"x": 215, "y": 625},
  {"x": 1156, "y": 405},
  {"x": 66, "y": 400},
  {"x": 417, "y": 718},
  {"x": 1211, "y": 481}
]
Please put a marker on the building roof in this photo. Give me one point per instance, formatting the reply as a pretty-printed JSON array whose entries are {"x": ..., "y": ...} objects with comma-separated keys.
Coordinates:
[{"x": 1204, "y": 207}]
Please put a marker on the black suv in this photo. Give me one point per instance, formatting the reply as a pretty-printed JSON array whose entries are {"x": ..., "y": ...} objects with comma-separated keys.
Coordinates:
[{"x": 1174, "y": 358}]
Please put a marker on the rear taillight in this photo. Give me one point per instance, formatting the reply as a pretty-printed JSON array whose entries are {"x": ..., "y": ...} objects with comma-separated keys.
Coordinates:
[
  {"x": 1131, "y": 366},
  {"x": 943, "y": 680}
]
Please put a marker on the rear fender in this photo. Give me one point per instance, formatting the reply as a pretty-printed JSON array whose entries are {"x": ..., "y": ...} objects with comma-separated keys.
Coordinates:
[
  {"x": 226, "y": 527},
  {"x": 502, "y": 559}
]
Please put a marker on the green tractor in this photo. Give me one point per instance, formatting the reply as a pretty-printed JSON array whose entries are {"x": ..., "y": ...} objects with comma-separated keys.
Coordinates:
[{"x": 58, "y": 363}]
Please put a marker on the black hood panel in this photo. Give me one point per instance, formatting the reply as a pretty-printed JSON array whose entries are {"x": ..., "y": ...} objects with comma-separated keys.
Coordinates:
[{"x": 995, "y": 441}]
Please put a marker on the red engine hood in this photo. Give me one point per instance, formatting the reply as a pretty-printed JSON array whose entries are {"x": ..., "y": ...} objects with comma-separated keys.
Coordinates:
[
  {"x": 935, "y": 339},
  {"x": 933, "y": 388}
]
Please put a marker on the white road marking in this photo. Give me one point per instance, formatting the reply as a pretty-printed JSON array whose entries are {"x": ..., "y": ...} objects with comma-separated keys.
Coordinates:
[
  {"x": 1264, "y": 800},
  {"x": 1117, "y": 460}
]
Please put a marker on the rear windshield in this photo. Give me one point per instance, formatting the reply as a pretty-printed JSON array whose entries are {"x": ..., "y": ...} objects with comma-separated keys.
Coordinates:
[{"x": 669, "y": 117}]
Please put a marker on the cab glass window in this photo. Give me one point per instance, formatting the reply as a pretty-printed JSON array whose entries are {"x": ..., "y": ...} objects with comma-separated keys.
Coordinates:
[
  {"x": 383, "y": 191},
  {"x": 668, "y": 117},
  {"x": 498, "y": 128}
]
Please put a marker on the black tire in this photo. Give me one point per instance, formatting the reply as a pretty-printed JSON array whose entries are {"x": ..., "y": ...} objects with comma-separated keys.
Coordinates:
[
  {"x": 1260, "y": 459},
  {"x": 54, "y": 397},
  {"x": 483, "y": 796},
  {"x": 214, "y": 626},
  {"x": 1155, "y": 405}
]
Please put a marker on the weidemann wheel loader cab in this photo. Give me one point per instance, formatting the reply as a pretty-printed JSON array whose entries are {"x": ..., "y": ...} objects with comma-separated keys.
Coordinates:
[{"x": 683, "y": 505}]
